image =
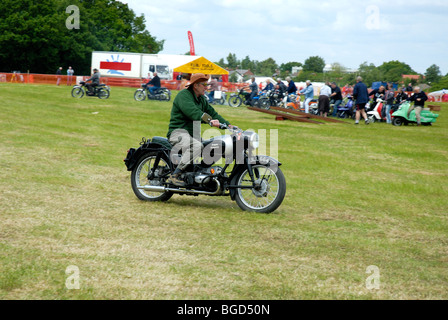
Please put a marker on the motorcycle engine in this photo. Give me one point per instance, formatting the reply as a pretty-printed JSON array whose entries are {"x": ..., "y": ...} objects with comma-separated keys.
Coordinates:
[{"x": 205, "y": 178}]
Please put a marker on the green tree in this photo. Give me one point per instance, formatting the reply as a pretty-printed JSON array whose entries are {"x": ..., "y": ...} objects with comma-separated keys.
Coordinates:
[
  {"x": 441, "y": 84},
  {"x": 314, "y": 64},
  {"x": 433, "y": 74},
  {"x": 393, "y": 71},
  {"x": 267, "y": 67},
  {"x": 232, "y": 61},
  {"x": 34, "y": 35}
]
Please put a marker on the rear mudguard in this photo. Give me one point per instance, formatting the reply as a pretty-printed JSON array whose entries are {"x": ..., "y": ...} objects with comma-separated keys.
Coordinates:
[
  {"x": 239, "y": 168},
  {"x": 134, "y": 155}
]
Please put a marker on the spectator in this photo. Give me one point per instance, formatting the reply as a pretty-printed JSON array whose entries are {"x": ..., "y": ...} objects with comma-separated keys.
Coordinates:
[
  {"x": 401, "y": 96},
  {"x": 155, "y": 82},
  {"x": 70, "y": 73},
  {"x": 214, "y": 86},
  {"x": 324, "y": 100},
  {"x": 59, "y": 76},
  {"x": 179, "y": 81},
  {"x": 336, "y": 96},
  {"x": 419, "y": 97},
  {"x": 390, "y": 95},
  {"x": 292, "y": 89},
  {"x": 309, "y": 95},
  {"x": 409, "y": 88},
  {"x": 361, "y": 96}
]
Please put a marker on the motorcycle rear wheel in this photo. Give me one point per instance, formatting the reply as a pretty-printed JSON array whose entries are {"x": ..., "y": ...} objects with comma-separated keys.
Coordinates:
[
  {"x": 139, "y": 95},
  {"x": 139, "y": 178},
  {"x": 77, "y": 92},
  {"x": 235, "y": 101},
  {"x": 269, "y": 194}
]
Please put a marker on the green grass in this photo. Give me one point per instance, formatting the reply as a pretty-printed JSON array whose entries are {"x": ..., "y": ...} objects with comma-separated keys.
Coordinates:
[{"x": 356, "y": 196}]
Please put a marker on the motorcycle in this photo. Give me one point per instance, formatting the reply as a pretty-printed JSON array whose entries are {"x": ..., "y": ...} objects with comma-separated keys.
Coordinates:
[
  {"x": 401, "y": 116},
  {"x": 161, "y": 94},
  {"x": 296, "y": 104},
  {"x": 346, "y": 110},
  {"x": 220, "y": 101},
  {"x": 101, "y": 91},
  {"x": 255, "y": 182},
  {"x": 376, "y": 113},
  {"x": 259, "y": 101}
]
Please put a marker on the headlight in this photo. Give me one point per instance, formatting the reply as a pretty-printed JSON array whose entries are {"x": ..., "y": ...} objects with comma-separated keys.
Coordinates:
[{"x": 253, "y": 139}]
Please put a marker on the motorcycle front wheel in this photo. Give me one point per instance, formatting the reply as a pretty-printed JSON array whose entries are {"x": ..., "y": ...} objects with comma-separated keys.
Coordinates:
[
  {"x": 139, "y": 95},
  {"x": 235, "y": 101},
  {"x": 103, "y": 93},
  {"x": 77, "y": 92},
  {"x": 141, "y": 174},
  {"x": 267, "y": 195}
]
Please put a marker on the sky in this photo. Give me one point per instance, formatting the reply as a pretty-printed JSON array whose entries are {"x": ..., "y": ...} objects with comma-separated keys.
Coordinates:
[{"x": 349, "y": 32}]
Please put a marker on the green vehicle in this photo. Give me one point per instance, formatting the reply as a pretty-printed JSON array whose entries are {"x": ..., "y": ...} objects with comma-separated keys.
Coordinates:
[{"x": 401, "y": 116}]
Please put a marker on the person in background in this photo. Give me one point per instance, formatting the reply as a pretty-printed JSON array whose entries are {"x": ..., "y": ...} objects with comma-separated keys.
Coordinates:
[
  {"x": 401, "y": 96},
  {"x": 70, "y": 73},
  {"x": 409, "y": 88},
  {"x": 361, "y": 97},
  {"x": 254, "y": 91},
  {"x": 59, "y": 75},
  {"x": 155, "y": 82},
  {"x": 309, "y": 95},
  {"x": 419, "y": 97},
  {"x": 336, "y": 96},
  {"x": 324, "y": 100},
  {"x": 269, "y": 86},
  {"x": 390, "y": 96},
  {"x": 214, "y": 86}
]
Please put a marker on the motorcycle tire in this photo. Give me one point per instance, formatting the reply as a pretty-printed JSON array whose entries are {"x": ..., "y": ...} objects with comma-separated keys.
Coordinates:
[
  {"x": 235, "y": 102},
  {"x": 139, "y": 178},
  {"x": 77, "y": 92},
  {"x": 139, "y": 95},
  {"x": 166, "y": 95},
  {"x": 270, "y": 193},
  {"x": 103, "y": 93},
  {"x": 398, "y": 121}
]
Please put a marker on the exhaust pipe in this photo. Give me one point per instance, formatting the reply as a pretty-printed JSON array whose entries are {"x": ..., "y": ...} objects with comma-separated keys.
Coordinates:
[{"x": 176, "y": 190}]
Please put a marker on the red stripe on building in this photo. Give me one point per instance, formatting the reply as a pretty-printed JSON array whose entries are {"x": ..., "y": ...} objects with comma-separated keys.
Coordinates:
[{"x": 122, "y": 66}]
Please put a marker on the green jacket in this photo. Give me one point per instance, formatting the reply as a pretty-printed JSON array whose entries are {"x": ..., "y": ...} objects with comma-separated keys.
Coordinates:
[{"x": 188, "y": 108}]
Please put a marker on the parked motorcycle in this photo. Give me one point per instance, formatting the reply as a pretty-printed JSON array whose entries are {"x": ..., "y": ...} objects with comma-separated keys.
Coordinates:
[
  {"x": 161, "y": 94},
  {"x": 297, "y": 104},
  {"x": 401, "y": 116},
  {"x": 375, "y": 114},
  {"x": 255, "y": 182},
  {"x": 101, "y": 91}
]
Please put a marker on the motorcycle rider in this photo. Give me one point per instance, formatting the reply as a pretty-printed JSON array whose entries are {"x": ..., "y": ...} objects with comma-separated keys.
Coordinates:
[
  {"x": 419, "y": 97},
  {"x": 95, "y": 81},
  {"x": 155, "y": 82},
  {"x": 190, "y": 106},
  {"x": 254, "y": 91}
]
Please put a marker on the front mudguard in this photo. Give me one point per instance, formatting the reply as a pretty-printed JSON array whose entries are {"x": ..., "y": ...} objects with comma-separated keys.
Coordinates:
[{"x": 238, "y": 169}]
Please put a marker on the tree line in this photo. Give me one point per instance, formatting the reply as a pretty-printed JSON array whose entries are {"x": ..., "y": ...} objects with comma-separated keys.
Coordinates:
[
  {"x": 313, "y": 69},
  {"x": 34, "y": 35}
]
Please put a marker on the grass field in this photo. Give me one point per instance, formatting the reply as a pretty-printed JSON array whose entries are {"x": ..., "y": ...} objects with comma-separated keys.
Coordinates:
[{"x": 357, "y": 196}]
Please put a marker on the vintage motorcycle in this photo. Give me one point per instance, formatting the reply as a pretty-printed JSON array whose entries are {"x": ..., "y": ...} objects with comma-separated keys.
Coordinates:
[
  {"x": 101, "y": 91},
  {"x": 255, "y": 182},
  {"x": 259, "y": 101},
  {"x": 161, "y": 94}
]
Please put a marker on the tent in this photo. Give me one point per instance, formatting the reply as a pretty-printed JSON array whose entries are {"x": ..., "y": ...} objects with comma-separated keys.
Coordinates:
[
  {"x": 201, "y": 65},
  {"x": 441, "y": 95}
]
